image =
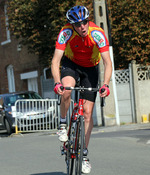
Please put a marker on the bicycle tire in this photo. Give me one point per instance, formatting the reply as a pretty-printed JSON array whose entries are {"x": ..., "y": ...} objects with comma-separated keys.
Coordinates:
[
  {"x": 69, "y": 162},
  {"x": 69, "y": 159},
  {"x": 80, "y": 146}
]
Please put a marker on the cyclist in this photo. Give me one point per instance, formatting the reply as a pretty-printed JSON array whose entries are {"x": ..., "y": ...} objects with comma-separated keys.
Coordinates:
[{"x": 81, "y": 44}]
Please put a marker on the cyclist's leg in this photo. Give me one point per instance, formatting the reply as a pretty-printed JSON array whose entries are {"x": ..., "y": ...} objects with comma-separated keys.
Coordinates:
[
  {"x": 65, "y": 100},
  {"x": 68, "y": 76},
  {"x": 64, "y": 106},
  {"x": 89, "y": 99},
  {"x": 67, "y": 79},
  {"x": 88, "y": 125},
  {"x": 90, "y": 80},
  {"x": 88, "y": 110}
]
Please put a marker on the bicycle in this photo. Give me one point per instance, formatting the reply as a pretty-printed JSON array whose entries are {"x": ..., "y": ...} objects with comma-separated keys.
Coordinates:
[{"x": 73, "y": 148}]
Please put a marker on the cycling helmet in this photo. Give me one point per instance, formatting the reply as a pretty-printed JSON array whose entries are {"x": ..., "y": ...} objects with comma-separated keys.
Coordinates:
[{"x": 77, "y": 13}]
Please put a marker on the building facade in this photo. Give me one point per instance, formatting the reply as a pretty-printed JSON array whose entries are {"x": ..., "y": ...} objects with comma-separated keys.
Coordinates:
[{"x": 19, "y": 70}]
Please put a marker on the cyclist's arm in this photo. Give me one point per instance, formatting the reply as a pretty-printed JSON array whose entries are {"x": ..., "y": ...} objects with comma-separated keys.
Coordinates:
[
  {"x": 107, "y": 67},
  {"x": 58, "y": 54}
]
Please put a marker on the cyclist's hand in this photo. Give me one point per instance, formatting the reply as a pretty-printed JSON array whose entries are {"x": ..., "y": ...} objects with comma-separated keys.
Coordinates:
[
  {"x": 104, "y": 91},
  {"x": 58, "y": 89}
]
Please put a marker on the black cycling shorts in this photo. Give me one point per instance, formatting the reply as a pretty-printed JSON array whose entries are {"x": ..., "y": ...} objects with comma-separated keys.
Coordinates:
[{"x": 88, "y": 79}]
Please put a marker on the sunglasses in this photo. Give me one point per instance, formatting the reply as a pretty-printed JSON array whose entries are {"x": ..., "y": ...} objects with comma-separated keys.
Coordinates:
[{"x": 78, "y": 24}]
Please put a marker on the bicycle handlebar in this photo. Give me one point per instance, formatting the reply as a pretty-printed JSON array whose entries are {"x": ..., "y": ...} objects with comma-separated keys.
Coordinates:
[
  {"x": 82, "y": 88},
  {"x": 89, "y": 89}
]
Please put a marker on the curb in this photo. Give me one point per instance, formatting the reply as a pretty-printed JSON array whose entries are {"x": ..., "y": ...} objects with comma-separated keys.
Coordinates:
[{"x": 121, "y": 128}]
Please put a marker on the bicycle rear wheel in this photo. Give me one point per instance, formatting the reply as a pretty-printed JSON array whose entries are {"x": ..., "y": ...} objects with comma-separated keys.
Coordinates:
[{"x": 80, "y": 146}]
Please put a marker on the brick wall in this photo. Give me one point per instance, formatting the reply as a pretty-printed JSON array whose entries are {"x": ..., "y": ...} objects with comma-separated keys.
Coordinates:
[{"x": 22, "y": 62}]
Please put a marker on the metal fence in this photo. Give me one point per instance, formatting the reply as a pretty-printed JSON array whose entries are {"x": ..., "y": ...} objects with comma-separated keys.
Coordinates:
[{"x": 38, "y": 115}]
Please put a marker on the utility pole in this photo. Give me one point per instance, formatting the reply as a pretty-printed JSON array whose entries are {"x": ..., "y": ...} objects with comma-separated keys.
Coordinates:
[{"x": 102, "y": 20}]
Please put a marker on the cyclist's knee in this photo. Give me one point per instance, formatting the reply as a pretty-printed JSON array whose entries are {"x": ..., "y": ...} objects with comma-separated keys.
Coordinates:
[
  {"x": 87, "y": 116},
  {"x": 66, "y": 96}
]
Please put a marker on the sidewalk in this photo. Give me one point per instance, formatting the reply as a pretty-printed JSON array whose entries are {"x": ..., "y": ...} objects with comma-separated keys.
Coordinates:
[
  {"x": 96, "y": 129},
  {"x": 121, "y": 127}
]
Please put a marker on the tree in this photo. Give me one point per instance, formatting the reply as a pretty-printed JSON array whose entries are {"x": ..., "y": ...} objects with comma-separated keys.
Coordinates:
[
  {"x": 37, "y": 23},
  {"x": 130, "y": 23}
]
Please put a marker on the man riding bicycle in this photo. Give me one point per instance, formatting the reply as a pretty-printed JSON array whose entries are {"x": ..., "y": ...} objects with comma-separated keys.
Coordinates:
[{"x": 81, "y": 44}]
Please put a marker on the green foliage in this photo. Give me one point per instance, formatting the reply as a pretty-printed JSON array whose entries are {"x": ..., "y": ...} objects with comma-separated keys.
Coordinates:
[
  {"x": 89, "y": 5},
  {"x": 130, "y": 23},
  {"x": 37, "y": 23}
]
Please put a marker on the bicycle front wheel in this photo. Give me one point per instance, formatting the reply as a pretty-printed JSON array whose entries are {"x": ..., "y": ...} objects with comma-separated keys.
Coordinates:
[
  {"x": 79, "y": 146},
  {"x": 69, "y": 162},
  {"x": 69, "y": 152}
]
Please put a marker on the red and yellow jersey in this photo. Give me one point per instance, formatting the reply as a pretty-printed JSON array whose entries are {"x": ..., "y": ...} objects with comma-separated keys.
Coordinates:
[{"x": 84, "y": 51}]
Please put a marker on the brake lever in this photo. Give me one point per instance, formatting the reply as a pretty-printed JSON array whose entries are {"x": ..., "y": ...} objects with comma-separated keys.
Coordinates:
[
  {"x": 59, "y": 99},
  {"x": 59, "y": 96},
  {"x": 103, "y": 98}
]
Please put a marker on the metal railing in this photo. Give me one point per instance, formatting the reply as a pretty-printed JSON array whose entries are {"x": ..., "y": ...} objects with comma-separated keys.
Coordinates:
[{"x": 37, "y": 115}]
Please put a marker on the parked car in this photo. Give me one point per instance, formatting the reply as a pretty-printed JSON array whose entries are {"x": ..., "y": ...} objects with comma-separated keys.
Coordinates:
[{"x": 27, "y": 113}]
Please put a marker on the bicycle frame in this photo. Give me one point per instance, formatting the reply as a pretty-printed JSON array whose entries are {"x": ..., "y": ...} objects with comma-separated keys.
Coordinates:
[
  {"x": 73, "y": 148},
  {"x": 77, "y": 112}
]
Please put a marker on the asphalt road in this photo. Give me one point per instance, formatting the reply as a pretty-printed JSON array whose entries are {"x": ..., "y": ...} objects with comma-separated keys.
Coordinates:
[{"x": 111, "y": 152}]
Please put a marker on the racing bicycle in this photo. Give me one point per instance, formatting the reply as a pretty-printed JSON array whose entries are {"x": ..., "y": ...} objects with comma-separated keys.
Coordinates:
[{"x": 73, "y": 148}]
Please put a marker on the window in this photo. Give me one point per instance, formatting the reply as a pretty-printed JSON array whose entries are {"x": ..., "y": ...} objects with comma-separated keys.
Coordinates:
[
  {"x": 5, "y": 33},
  {"x": 47, "y": 73},
  {"x": 11, "y": 80}
]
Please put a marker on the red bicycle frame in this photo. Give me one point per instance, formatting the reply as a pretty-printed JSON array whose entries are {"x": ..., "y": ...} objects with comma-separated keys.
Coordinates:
[{"x": 77, "y": 111}]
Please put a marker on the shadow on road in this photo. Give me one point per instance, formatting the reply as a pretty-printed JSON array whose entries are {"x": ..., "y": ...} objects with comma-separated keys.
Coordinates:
[{"x": 50, "y": 173}]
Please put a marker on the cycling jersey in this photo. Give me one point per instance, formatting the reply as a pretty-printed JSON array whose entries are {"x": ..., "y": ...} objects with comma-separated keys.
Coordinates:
[{"x": 84, "y": 51}]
